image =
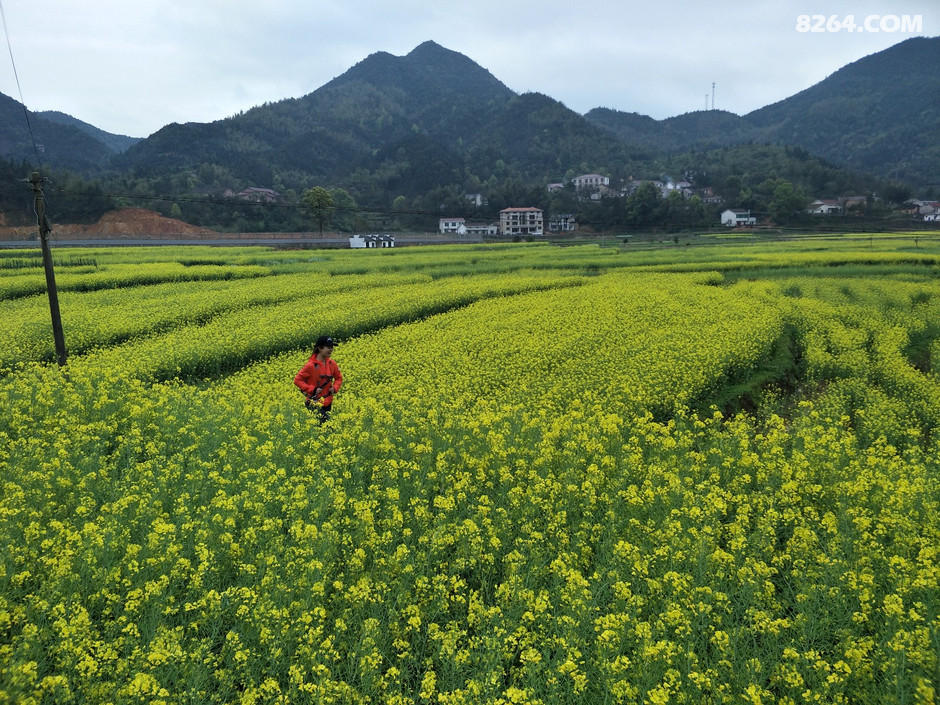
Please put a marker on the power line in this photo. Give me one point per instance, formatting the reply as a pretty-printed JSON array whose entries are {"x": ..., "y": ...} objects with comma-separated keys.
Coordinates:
[
  {"x": 39, "y": 206},
  {"x": 19, "y": 89}
]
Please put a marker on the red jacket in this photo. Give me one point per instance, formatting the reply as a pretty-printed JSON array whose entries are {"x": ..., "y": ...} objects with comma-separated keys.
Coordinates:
[{"x": 316, "y": 375}]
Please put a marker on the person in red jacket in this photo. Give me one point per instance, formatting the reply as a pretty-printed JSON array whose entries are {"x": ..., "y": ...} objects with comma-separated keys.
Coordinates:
[{"x": 320, "y": 378}]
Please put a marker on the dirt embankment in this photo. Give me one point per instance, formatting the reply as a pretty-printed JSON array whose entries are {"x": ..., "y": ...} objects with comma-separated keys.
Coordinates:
[{"x": 128, "y": 221}]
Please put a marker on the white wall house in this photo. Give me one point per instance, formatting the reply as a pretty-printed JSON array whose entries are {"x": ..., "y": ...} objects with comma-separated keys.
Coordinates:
[
  {"x": 734, "y": 218},
  {"x": 369, "y": 241},
  {"x": 824, "y": 207},
  {"x": 456, "y": 226},
  {"x": 521, "y": 221},
  {"x": 930, "y": 210},
  {"x": 590, "y": 181},
  {"x": 491, "y": 229}
]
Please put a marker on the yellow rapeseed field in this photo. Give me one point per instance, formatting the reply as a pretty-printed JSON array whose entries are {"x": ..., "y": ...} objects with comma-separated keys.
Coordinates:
[{"x": 553, "y": 475}]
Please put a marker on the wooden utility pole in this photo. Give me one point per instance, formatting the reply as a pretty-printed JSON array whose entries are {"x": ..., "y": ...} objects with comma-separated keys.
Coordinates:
[{"x": 44, "y": 230}]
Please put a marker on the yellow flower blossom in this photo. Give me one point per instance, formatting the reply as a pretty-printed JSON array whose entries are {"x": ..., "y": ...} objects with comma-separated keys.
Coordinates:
[{"x": 702, "y": 476}]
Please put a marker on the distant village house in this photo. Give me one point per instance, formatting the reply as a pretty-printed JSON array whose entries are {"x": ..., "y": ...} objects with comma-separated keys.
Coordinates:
[
  {"x": 824, "y": 207},
  {"x": 521, "y": 221},
  {"x": 562, "y": 223},
  {"x": 707, "y": 195},
  {"x": 459, "y": 226},
  {"x": 849, "y": 202},
  {"x": 930, "y": 210},
  {"x": 836, "y": 206},
  {"x": 482, "y": 229},
  {"x": 369, "y": 241},
  {"x": 261, "y": 195},
  {"x": 737, "y": 218},
  {"x": 591, "y": 181},
  {"x": 456, "y": 226}
]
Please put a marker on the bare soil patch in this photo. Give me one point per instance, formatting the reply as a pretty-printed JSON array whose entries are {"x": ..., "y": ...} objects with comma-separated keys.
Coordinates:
[{"x": 127, "y": 221}]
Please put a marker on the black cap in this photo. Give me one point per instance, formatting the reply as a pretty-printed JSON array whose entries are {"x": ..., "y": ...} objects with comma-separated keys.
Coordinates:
[{"x": 324, "y": 341}]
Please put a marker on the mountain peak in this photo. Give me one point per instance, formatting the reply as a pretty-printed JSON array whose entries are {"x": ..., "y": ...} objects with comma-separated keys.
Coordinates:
[
  {"x": 429, "y": 46},
  {"x": 441, "y": 113},
  {"x": 428, "y": 69},
  {"x": 432, "y": 52}
]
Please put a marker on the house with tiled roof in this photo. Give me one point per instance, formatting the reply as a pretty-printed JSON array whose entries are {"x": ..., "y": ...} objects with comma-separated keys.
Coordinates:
[
  {"x": 521, "y": 221},
  {"x": 824, "y": 206},
  {"x": 261, "y": 195},
  {"x": 457, "y": 226},
  {"x": 591, "y": 181}
]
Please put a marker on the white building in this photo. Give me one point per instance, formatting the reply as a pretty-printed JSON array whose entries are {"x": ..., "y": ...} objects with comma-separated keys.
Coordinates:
[
  {"x": 930, "y": 208},
  {"x": 521, "y": 221},
  {"x": 369, "y": 241},
  {"x": 823, "y": 206},
  {"x": 735, "y": 218},
  {"x": 591, "y": 181},
  {"x": 456, "y": 226},
  {"x": 483, "y": 229}
]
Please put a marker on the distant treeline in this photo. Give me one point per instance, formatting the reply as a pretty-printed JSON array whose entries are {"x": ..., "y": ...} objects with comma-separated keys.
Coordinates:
[{"x": 399, "y": 197}]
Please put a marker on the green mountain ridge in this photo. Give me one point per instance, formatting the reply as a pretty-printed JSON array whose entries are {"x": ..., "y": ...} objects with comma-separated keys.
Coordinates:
[
  {"x": 116, "y": 143},
  {"x": 433, "y": 124},
  {"x": 23, "y": 136},
  {"x": 879, "y": 114}
]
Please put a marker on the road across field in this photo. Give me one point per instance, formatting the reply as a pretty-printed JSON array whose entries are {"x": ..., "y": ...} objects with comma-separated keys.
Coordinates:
[{"x": 265, "y": 239}]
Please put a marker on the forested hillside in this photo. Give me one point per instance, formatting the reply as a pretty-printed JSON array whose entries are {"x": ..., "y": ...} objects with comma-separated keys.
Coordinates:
[
  {"x": 33, "y": 138},
  {"x": 400, "y": 140},
  {"x": 879, "y": 115}
]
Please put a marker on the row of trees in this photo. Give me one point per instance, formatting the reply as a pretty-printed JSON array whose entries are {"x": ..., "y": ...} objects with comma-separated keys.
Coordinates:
[
  {"x": 646, "y": 208},
  {"x": 776, "y": 182}
]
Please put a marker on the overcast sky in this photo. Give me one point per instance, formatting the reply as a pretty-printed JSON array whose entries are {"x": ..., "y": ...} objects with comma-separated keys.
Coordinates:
[{"x": 132, "y": 66}]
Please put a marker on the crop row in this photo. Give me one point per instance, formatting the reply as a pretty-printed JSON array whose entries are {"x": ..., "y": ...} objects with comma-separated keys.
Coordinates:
[
  {"x": 235, "y": 338},
  {"x": 103, "y": 318},
  {"x": 511, "y": 503},
  {"x": 115, "y": 276}
]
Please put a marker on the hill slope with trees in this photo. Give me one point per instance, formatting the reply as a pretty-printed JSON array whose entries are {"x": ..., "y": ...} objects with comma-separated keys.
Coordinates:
[
  {"x": 879, "y": 115},
  {"x": 413, "y": 134}
]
